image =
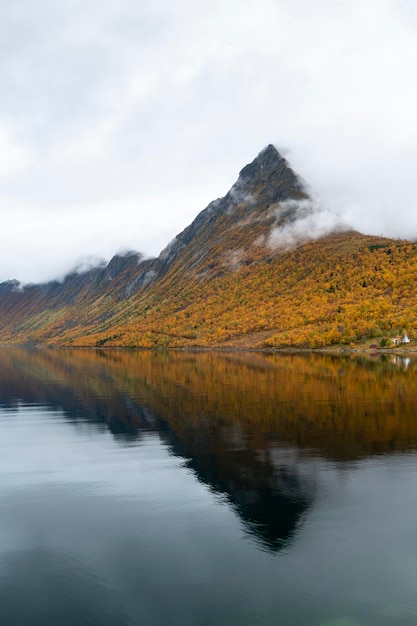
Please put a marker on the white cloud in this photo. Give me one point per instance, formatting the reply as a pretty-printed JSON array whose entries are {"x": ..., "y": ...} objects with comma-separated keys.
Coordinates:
[
  {"x": 14, "y": 157},
  {"x": 138, "y": 114},
  {"x": 313, "y": 220}
]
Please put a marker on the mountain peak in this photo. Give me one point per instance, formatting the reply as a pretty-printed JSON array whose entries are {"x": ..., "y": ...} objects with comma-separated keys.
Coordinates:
[
  {"x": 268, "y": 158},
  {"x": 270, "y": 152},
  {"x": 228, "y": 279},
  {"x": 270, "y": 174}
]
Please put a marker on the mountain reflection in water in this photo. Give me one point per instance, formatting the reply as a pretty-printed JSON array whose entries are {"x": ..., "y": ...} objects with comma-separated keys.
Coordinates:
[
  {"x": 198, "y": 488},
  {"x": 126, "y": 393},
  {"x": 238, "y": 419}
]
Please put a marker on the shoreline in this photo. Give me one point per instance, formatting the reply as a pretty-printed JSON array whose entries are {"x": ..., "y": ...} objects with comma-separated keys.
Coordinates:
[{"x": 330, "y": 350}]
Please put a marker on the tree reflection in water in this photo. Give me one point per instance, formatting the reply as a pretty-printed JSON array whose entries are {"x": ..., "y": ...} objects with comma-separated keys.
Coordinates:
[{"x": 233, "y": 417}]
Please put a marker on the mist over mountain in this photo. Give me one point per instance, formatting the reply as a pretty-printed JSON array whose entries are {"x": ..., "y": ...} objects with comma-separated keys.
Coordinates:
[{"x": 266, "y": 265}]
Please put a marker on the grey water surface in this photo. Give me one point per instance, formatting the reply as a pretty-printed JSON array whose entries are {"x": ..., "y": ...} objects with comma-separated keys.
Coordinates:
[{"x": 207, "y": 489}]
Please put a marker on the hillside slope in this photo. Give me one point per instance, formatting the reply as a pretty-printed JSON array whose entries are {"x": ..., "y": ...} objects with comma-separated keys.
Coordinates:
[{"x": 264, "y": 266}]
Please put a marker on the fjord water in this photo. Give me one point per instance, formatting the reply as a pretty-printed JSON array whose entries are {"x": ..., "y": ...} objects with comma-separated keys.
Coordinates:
[{"x": 207, "y": 489}]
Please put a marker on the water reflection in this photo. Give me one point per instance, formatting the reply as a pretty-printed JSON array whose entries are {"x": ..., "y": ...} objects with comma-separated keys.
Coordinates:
[
  {"x": 342, "y": 408},
  {"x": 118, "y": 390},
  {"x": 269, "y": 497},
  {"x": 233, "y": 417},
  {"x": 107, "y": 517}
]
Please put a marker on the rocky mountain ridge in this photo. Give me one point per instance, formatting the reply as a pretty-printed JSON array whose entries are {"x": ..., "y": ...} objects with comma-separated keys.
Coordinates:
[
  {"x": 253, "y": 270},
  {"x": 268, "y": 179}
]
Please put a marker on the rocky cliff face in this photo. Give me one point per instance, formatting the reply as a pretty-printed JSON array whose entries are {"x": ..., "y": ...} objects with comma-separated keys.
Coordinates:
[{"x": 262, "y": 184}]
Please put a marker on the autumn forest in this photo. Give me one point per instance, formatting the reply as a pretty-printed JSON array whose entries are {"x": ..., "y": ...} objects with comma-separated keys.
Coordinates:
[{"x": 232, "y": 280}]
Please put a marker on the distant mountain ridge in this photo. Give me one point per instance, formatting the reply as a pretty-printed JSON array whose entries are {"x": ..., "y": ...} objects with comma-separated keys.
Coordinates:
[{"x": 240, "y": 274}]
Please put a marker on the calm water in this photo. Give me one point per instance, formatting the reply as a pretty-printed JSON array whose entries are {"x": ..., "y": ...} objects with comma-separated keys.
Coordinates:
[{"x": 197, "y": 489}]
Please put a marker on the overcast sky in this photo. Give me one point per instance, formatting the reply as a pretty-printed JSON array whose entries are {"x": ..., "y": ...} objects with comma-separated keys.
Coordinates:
[{"x": 121, "y": 119}]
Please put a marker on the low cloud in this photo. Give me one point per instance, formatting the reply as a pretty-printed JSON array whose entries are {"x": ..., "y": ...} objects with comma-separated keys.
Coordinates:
[
  {"x": 88, "y": 263},
  {"x": 238, "y": 196},
  {"x": 233, "y": 259},
  {"x": 299, "y": 221}
]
